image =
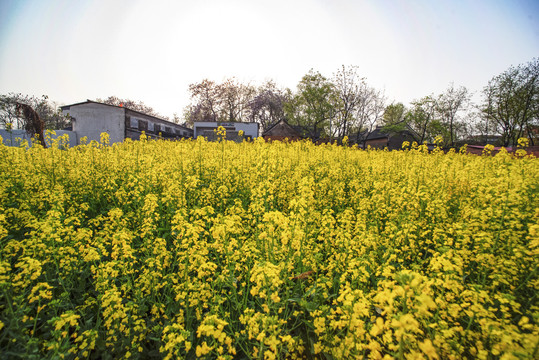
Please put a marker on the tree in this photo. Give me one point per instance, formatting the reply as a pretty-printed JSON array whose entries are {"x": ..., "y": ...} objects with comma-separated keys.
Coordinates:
[
  {"x": 432, "y": 115},
  {"x": 131, "y": 104},
  {"x": 48, "y": 111},
  {"x": 358, "y": 107},
  {"x": 369, "y": 111},
  {"x": 9, "y": 115},
  {"x": 421, "y": 115},
  {"x": 511, "y": 102},
  {"x": 313, "y": 106},
  {"x": 205, "y": 101},
  {"x": 267, "y": 107},
  {"x": 34, "y": 125},
  {"x": 235, "y": 98},
  {"x": 480, "y": 130},
  {"x": 228, "y": 101},
  {"x": 394, "y": 114},
  {"x": 448, "y": 104},
  {"x": 348, "y": 87},
  {"x": 394, "y": 117}
]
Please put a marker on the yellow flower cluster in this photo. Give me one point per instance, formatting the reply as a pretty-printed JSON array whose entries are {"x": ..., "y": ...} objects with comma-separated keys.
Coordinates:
[
  {"x": 211, "y": 330},
  {"x": 266, "y": 279},
  {"x": 254, "y": 250},
  {"x": 220, "y": 132}
]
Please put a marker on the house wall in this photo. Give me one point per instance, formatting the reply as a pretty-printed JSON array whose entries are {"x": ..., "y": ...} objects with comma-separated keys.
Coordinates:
[
  {"x": 136, "y": 122},
  {"x": 395, "y": 142},
  {"x": 249, "y": 129},
  {"x": 16, "y": 137},
  {"x": 281, "y": 131},
  {"x": 91, "y": 119},
  {"x": 281, "y": 138},
  {"x": 377, "y": 143},
  {"x": 210, "y": 135}
]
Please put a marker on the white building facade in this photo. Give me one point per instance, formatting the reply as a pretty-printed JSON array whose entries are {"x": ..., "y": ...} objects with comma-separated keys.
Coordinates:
[
  {"x": 91, "y": 118},
  {"x": 207, "y": 129}
]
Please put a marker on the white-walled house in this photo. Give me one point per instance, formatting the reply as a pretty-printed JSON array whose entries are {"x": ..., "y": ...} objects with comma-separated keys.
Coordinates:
[
  {"x": 206, "y": 129},
  {"x": 91, "y": 118},
  {"x": 18, "y": 136}
]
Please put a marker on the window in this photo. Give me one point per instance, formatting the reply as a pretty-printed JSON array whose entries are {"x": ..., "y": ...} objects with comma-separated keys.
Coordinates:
[
  {"x": 133, "y": 123},
  {"x": 143, "y": 125}
]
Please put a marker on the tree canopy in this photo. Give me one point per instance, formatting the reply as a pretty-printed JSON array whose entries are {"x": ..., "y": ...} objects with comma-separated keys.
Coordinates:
[
  {"x": 131, "y": 104},
  {"x": 346, "y": 105},
  {"x": 313, "y": 105},
  {"x": 510, "y": 105},
  {"x": 48, "y": 111}
]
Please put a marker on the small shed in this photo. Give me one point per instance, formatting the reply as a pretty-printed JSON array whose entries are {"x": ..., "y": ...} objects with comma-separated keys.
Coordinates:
[{"x": 282, "y": 130}]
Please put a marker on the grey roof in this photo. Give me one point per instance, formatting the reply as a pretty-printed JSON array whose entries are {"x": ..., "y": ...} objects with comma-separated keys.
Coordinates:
[
  {"x": 88, "y": 101},
  {"x": 293, "y": 128},
  {"x": 380, "y": 133}
]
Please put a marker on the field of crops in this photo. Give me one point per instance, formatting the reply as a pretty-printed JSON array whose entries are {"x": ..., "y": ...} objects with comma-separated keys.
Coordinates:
[{"x": 193, "y": 249}]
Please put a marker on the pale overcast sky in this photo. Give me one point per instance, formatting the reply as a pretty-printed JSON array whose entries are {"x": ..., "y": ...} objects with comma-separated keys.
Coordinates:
[{"x": 152, "y": 50}]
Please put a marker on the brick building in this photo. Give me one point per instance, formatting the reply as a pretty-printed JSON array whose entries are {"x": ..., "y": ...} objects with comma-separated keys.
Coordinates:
[
  {"x": 380, "y": 138},
  {"x": 282, "y": 130}
]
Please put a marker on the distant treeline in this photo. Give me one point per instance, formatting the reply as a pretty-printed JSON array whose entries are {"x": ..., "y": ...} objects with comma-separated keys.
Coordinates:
[{"x": 345, "y": 105}]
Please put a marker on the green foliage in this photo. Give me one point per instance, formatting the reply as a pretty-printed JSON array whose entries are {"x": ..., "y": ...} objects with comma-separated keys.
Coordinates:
[
  {"x": 48, "y": 111},
  {"x": 394, "y": 114},
  {"x": 394, "y": 128},
  {"x": 314, "y": 103},
  {"x": 420, "y": 116},
  {"x": 511, "y": 103}
]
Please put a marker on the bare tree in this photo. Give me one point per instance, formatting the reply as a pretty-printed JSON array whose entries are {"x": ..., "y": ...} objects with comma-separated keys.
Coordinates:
[
  {"x": 228, "y": 101},
  {"x": 369, "y": 111},
  {"x": 448, "y": 105},
  {"x": 205, "y": 100},
  {"x": 349, "y": 87},
  {"x": 131, "y": 104},
  {"x": 421, "y": 116},
  {"x": 235, "y": 98},
  {"x": 33, "y": 125},
  {"x": 267, "y": 107}
]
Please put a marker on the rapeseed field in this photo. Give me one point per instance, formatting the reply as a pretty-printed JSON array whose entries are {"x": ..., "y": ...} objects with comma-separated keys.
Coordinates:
[{"x": 221, "y": 250}]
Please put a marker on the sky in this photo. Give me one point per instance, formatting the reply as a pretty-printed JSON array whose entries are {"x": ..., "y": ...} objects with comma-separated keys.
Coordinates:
[{"x": 152, "y": 50}]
